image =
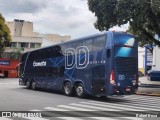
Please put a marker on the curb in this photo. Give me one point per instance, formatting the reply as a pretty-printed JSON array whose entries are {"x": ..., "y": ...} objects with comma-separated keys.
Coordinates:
[
  {"x": 149, "y": 85},
  {"x": 148, "y": 94}
]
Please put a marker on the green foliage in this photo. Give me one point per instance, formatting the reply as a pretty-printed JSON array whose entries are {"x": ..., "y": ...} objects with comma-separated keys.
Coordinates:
[
  {"x": 5, "y": 37},
  {"x": 16, "y": 53},
  {"x": 143, "y": 17}
]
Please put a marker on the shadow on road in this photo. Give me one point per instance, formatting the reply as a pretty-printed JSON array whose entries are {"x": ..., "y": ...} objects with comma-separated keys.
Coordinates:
[{"x": 110, "y": 99}]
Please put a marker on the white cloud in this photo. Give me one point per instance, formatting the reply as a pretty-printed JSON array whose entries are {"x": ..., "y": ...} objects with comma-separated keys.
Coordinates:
[{"x": 66, "y": 17}]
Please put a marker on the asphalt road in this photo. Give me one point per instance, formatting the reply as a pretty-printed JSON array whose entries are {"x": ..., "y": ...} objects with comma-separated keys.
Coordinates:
[{"x": 17, "y": 98}]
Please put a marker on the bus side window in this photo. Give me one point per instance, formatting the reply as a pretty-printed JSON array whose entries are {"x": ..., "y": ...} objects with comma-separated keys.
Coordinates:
[
  {"x": 108, "y": 53},
  {"x": 66, "y": 46},
  {"x": 99, "y": 43},
  {"x": 89, "y": 44}
]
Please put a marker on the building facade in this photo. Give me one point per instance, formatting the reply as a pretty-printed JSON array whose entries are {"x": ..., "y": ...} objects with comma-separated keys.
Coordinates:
[{"x": 24, "y": 39}]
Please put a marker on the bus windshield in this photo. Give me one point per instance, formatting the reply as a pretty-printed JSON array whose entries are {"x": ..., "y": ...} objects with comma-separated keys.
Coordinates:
[
  {"x": 126, "y": 40},
  {"x": 124, "y": 45}
]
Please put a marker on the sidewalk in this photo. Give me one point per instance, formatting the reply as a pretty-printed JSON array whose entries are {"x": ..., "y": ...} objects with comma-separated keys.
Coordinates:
[{"x": 147, "y": 87}]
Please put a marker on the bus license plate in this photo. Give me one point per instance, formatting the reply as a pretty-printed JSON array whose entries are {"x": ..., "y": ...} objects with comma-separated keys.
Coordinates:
[{"x": 128, "y": 89}]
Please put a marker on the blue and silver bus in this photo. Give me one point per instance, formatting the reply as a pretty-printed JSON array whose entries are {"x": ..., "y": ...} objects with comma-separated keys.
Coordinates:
[{"x": 99, "y": 65}]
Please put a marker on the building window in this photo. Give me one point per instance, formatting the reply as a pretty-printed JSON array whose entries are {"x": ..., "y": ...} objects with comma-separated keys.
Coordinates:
[
  {"x": 14, "y": 44},
  {"x": 23, "y": 45},
  {"x": 32, "y": 45},
  {"x": 37, "y": 45}
]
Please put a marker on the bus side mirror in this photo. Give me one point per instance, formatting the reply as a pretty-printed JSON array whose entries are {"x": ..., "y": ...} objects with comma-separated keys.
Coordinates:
[{"x": 108, "y": 53}]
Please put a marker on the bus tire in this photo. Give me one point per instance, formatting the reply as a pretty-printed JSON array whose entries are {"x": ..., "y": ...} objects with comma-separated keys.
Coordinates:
[
  {"x": 28, "y": 84},
  {"x": 80, "y": 90},
  {"x": 33, "y": 85},
  {"x": 68, "y": 90}
]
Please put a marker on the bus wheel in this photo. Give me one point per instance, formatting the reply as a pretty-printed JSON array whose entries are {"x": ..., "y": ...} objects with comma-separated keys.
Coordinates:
[
  {"x": 33, "y": 85},
  {"x": 28, "y": 85},
  {"x": 80, "y": 90},
  {"x": 68, "y": 90}
]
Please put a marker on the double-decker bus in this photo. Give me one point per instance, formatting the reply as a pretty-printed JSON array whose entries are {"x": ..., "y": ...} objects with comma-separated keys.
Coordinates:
[{"x": 100, "y": 65}]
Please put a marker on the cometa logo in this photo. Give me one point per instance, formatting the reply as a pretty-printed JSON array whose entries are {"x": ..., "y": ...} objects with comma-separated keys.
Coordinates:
[{"x": 39, "y": 64}]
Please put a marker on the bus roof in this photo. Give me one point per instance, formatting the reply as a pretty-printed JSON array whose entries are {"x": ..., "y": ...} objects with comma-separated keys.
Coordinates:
[{"x": 77, "y": 39}]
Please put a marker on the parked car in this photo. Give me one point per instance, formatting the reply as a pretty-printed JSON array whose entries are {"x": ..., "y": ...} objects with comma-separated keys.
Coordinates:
[{"x": 154, "y": 75}]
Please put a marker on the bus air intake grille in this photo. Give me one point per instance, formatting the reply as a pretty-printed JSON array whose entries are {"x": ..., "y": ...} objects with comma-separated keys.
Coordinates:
[{"x": 126, "y": 65}]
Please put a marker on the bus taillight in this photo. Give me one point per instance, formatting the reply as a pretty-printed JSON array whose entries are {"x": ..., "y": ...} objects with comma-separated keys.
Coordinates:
[{"x": 112, "y": 78}]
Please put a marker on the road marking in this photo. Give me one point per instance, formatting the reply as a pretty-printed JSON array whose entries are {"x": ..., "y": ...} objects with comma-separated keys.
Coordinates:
[
  {"x": 116, "y": 118},
  {"x": 144, "y": 104},
  {"x": 144, "y": 99},
  {"x": 64, "y": 117},
  {"x": 74, "y": 108},
  {"x": 35, "y": 118},
  {"x": 93, "y": 107},
  {"x": 74, "y": 113},
  {"x": 133, "y": 118},
  {"x": 137, "y": 97},
  {"x": 102, "y": 105},
  {"x": 120, "y": 105},
  {"x": 35, "y": 110},
  {"x": 103, "y": 118},
  {"x": 55, "y": 109},
  {"x": 70, "y": 118}
]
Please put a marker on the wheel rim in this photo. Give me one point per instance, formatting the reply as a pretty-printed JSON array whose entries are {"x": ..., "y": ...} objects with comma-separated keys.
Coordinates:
[
  {"x": 67, "y": 89},
  {"x": 27, "y": 84},
  {"x": 33, "y": 85},
  {"x": 79, "y": 90}
]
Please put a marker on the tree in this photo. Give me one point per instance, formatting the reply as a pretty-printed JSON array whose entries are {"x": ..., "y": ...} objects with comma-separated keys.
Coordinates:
[
  {"x": 5, "y": 37},
  {"x": 143, "y": 17},
  {"x": 16, "y": 53}
]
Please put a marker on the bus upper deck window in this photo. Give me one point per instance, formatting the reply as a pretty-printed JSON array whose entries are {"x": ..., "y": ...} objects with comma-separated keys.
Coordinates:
[{"x": 108, "y": 53}]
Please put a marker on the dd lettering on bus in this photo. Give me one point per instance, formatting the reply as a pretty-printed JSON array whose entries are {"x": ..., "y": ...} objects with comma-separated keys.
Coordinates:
[{"x": 80, "y": 60}]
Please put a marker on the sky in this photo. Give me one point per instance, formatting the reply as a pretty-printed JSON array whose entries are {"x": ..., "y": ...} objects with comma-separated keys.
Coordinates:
[{"x": 64, "y": 17}]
